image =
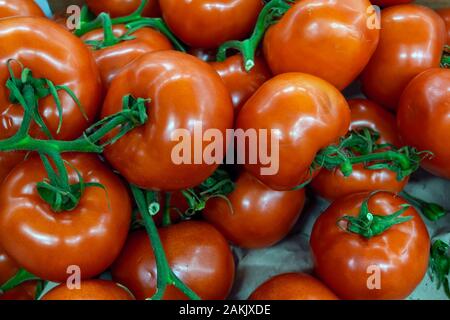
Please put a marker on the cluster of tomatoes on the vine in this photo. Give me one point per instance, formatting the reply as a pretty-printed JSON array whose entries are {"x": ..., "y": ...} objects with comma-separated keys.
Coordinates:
[{"x": 88, "y": 182}]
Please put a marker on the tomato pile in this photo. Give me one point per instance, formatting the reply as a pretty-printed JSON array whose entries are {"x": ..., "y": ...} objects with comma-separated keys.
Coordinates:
[{"x": 94, "y": 206}]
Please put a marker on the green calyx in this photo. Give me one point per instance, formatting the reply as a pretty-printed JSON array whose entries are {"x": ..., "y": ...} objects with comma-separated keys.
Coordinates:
[
  {"x": 147, "y": 203},
  {"x": 360, "y": 146},
  {"x": 133, "y": 23},
  {"x": 28, "y": 90},
  {"x": 269, "y": 15},
  {"x": 20, "y": 277},
  {"x": 440, "y": 265},
  {"x": 57, "y": 191},
  {"x": 445, "y": 60},
  {"x": 370, "y": 225},
  {"x": 219, "y": 185},
  {"x": 432, "y": 211}
]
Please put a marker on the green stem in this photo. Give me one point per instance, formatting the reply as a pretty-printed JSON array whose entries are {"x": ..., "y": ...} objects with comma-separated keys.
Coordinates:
[
  {"x": 432, "y": 211},
  {"x": 97, "y": 23},
  {"x": 166, "y": 221},
  {"x": 165, "y": 275},
  {"x": 271, "y": 12},
  {"x": 158, "y": 24},
  {"x": 20, "y": 277}
]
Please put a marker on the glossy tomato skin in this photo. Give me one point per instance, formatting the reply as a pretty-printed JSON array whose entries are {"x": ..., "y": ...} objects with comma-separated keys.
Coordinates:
[
  {"x": 24, "y": 291},
  {"x": 8, "y": 268},
  {"x": 89, "y": 290},
  {"x": 44, "y": 242},
  {"x": 411, "y": 41},
  {"x": 197, "y": 253},
  {"x": 307, "y": 114},
  {"x": 111, "y": 60},
  {"x": 445, "y": 14},
  {"x": 423, "y": 118},
  {"x": 24, "y": 8},
  {"x": 293, "y": 286},
  {"x": 386, "y": 3},
  {"x": 343, "y": 260},
  {"x": 185, "y": 93},
  {"x": 120, "y": 8},
  {"x": 332, "y": 41},
  {"x": 333, "y": 184},
  {"x": 260, "y": 217},
  {"x": 209, "y": 23},
  {"x": 240, "y": 83},
  {"x": 65, "y": 60}
]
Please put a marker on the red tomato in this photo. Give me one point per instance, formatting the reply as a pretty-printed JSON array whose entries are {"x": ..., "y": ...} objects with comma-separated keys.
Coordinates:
[
  {"x": 198, "y": 254},
  {"x": 90, "y": 290},
  {"x": 386, "y": 3},
  {"x": 445, "y": 14},
  {"x": 240, "y": 83},
  {"x": 185, "y": 92},
  {"x": 120, "y": 8},
  {"x": 54, "y": 53},
  {"x": 423, "y": 115},
  {"x": 8, "y": 268},
  {"x": 333, "y": 184},
  {"x": 45, "y": 242},
  {"x": 345, "y": 261},
  {"x": 328, "y": 39},
  {"x": 307, "y": 113},
  {"x": 111, "y": 60},
  {"x": 23, "y": 8},
  {"x": 260, "y": 217},
  {"x": 209, "y": 23},
  {"x": 411, "y": 41},
  {"x": 207, "y": 55},
  {"x": 293, "y": 286},
  {"x": 24, "y": 291}
]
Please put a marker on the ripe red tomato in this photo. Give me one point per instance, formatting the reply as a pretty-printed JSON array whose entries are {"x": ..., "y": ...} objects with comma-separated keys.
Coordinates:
[
  {"x": 120, "y": 8},
  {"x": 307, "y": 113},
  {"x": 24, "y": 291},
  {"x": 445, "y": 14},
  {"x": 89, "y": 290},
  {"x": 54, "y": 53},
  {"x": 411, "y": 41},
  {"x": 197, "y": 253},
  {"x": 240, "y": 83},
  {"x": 293, "y": 286},
  {"x": 8, "y": 267},
  {"x": 345, "y": 261},
  {"x": 423, "y": 115},
  {"x": 23, "y": 8},
  {"x": 328, "y": 39},
  {"x": 185, "y": 92},
  {"x": 209, "y": 23},
  {"x": 333, "y": 184},
  {"x": 45, "y": 242},
  {"x": 260, "y": 217},
  {"x": 111, "y": 60},
  {"x": 386, "y": 3}
]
